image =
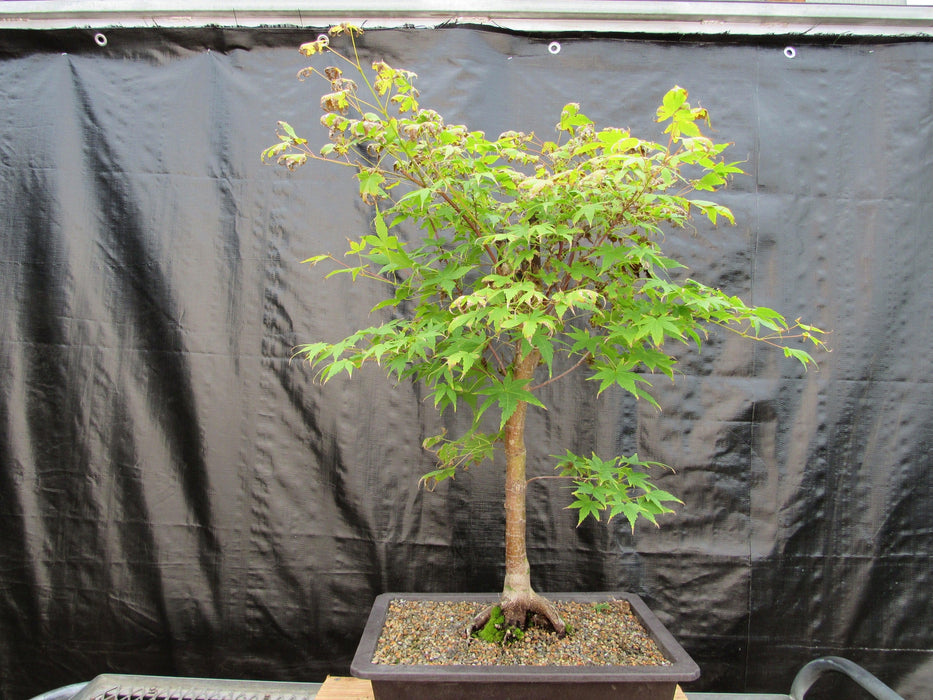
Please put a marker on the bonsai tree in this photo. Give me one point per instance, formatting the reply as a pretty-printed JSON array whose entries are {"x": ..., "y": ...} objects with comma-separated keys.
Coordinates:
[{"x": 533, "y": 259}]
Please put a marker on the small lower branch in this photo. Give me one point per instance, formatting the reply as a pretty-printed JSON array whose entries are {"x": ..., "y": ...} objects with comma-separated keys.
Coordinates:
[
  {"x": 559, "y": 376},
  {"x": 542, "y": 478}
]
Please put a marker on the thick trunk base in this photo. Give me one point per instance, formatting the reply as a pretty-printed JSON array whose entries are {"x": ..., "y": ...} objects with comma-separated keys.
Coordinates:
[{"x": 521, "y": 609}]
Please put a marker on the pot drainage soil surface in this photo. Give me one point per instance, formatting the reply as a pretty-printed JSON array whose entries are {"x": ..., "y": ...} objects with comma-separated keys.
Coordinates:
[{"x": 432, "y": 632}]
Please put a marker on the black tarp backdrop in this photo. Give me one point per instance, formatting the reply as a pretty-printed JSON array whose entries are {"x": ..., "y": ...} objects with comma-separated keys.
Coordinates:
[{"x": 177, "y": 497}]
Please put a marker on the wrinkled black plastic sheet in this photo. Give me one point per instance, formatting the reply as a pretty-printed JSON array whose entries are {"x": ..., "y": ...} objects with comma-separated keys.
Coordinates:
[{"x": 178, "y": 497}]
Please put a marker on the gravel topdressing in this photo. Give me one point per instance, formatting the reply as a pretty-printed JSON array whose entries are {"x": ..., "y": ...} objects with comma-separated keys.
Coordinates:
[{"x": 434, "y": 633}]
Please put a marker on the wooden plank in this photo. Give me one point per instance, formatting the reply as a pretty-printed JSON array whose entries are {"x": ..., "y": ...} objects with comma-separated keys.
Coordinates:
[{"x": 344, "y": 688}]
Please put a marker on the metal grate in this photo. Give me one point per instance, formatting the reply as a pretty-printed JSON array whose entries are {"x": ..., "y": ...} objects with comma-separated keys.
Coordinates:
[{"x": 122, "y": 687}]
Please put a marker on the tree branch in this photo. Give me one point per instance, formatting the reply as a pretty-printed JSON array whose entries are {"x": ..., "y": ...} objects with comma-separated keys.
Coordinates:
[
  {"x": 536, "y": 478},
  {"x": 496, "y": 356},
  {"x": 561, "y": 375}
]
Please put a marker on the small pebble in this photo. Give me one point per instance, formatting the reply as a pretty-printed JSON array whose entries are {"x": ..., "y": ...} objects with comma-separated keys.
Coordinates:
[{"x": 434, "y": 633}]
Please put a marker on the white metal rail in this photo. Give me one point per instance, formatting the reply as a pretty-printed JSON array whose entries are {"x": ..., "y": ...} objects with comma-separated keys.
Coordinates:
[{"x": 628, "y": 16}]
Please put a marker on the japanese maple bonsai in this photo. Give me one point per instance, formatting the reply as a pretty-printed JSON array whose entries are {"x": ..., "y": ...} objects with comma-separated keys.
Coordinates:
[{"x": 533, "y": 259}]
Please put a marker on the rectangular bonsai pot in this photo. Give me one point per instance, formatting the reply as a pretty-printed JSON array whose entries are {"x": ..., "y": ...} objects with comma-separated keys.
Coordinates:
[{"x": 428, "y": 682}]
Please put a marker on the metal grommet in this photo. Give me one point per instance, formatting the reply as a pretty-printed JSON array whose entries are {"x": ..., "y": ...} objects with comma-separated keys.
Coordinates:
[
  {"x": 790, "y": 52},
  {"x": 554, "y": 47},
  {"x": 100, "y": 39},
  {"x": 323, "y": 39}
]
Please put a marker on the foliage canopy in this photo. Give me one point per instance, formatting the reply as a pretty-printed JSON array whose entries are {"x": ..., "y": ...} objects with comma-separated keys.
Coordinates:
[{"x": 531, "y": 253}]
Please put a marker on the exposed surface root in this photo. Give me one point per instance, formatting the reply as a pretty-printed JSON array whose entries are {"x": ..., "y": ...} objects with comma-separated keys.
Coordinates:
[{"x": 520, "y": 609}]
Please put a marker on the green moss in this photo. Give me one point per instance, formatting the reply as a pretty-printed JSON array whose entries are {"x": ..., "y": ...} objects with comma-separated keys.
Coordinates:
[{"x": 495, "y": 631}]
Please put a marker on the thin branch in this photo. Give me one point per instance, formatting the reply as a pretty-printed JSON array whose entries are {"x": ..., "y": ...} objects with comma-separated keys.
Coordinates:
[
  {"x": 536, "y": 478},
  {"x": 561, "y": 375},
  {"x": 497, "y": 358},
  {"x": 772, "y": 339},
  {"x": 358, "y": 65}
]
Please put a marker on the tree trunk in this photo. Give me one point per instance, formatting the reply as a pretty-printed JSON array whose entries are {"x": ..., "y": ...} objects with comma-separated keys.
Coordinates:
[{"x": 518, "y": 597}]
